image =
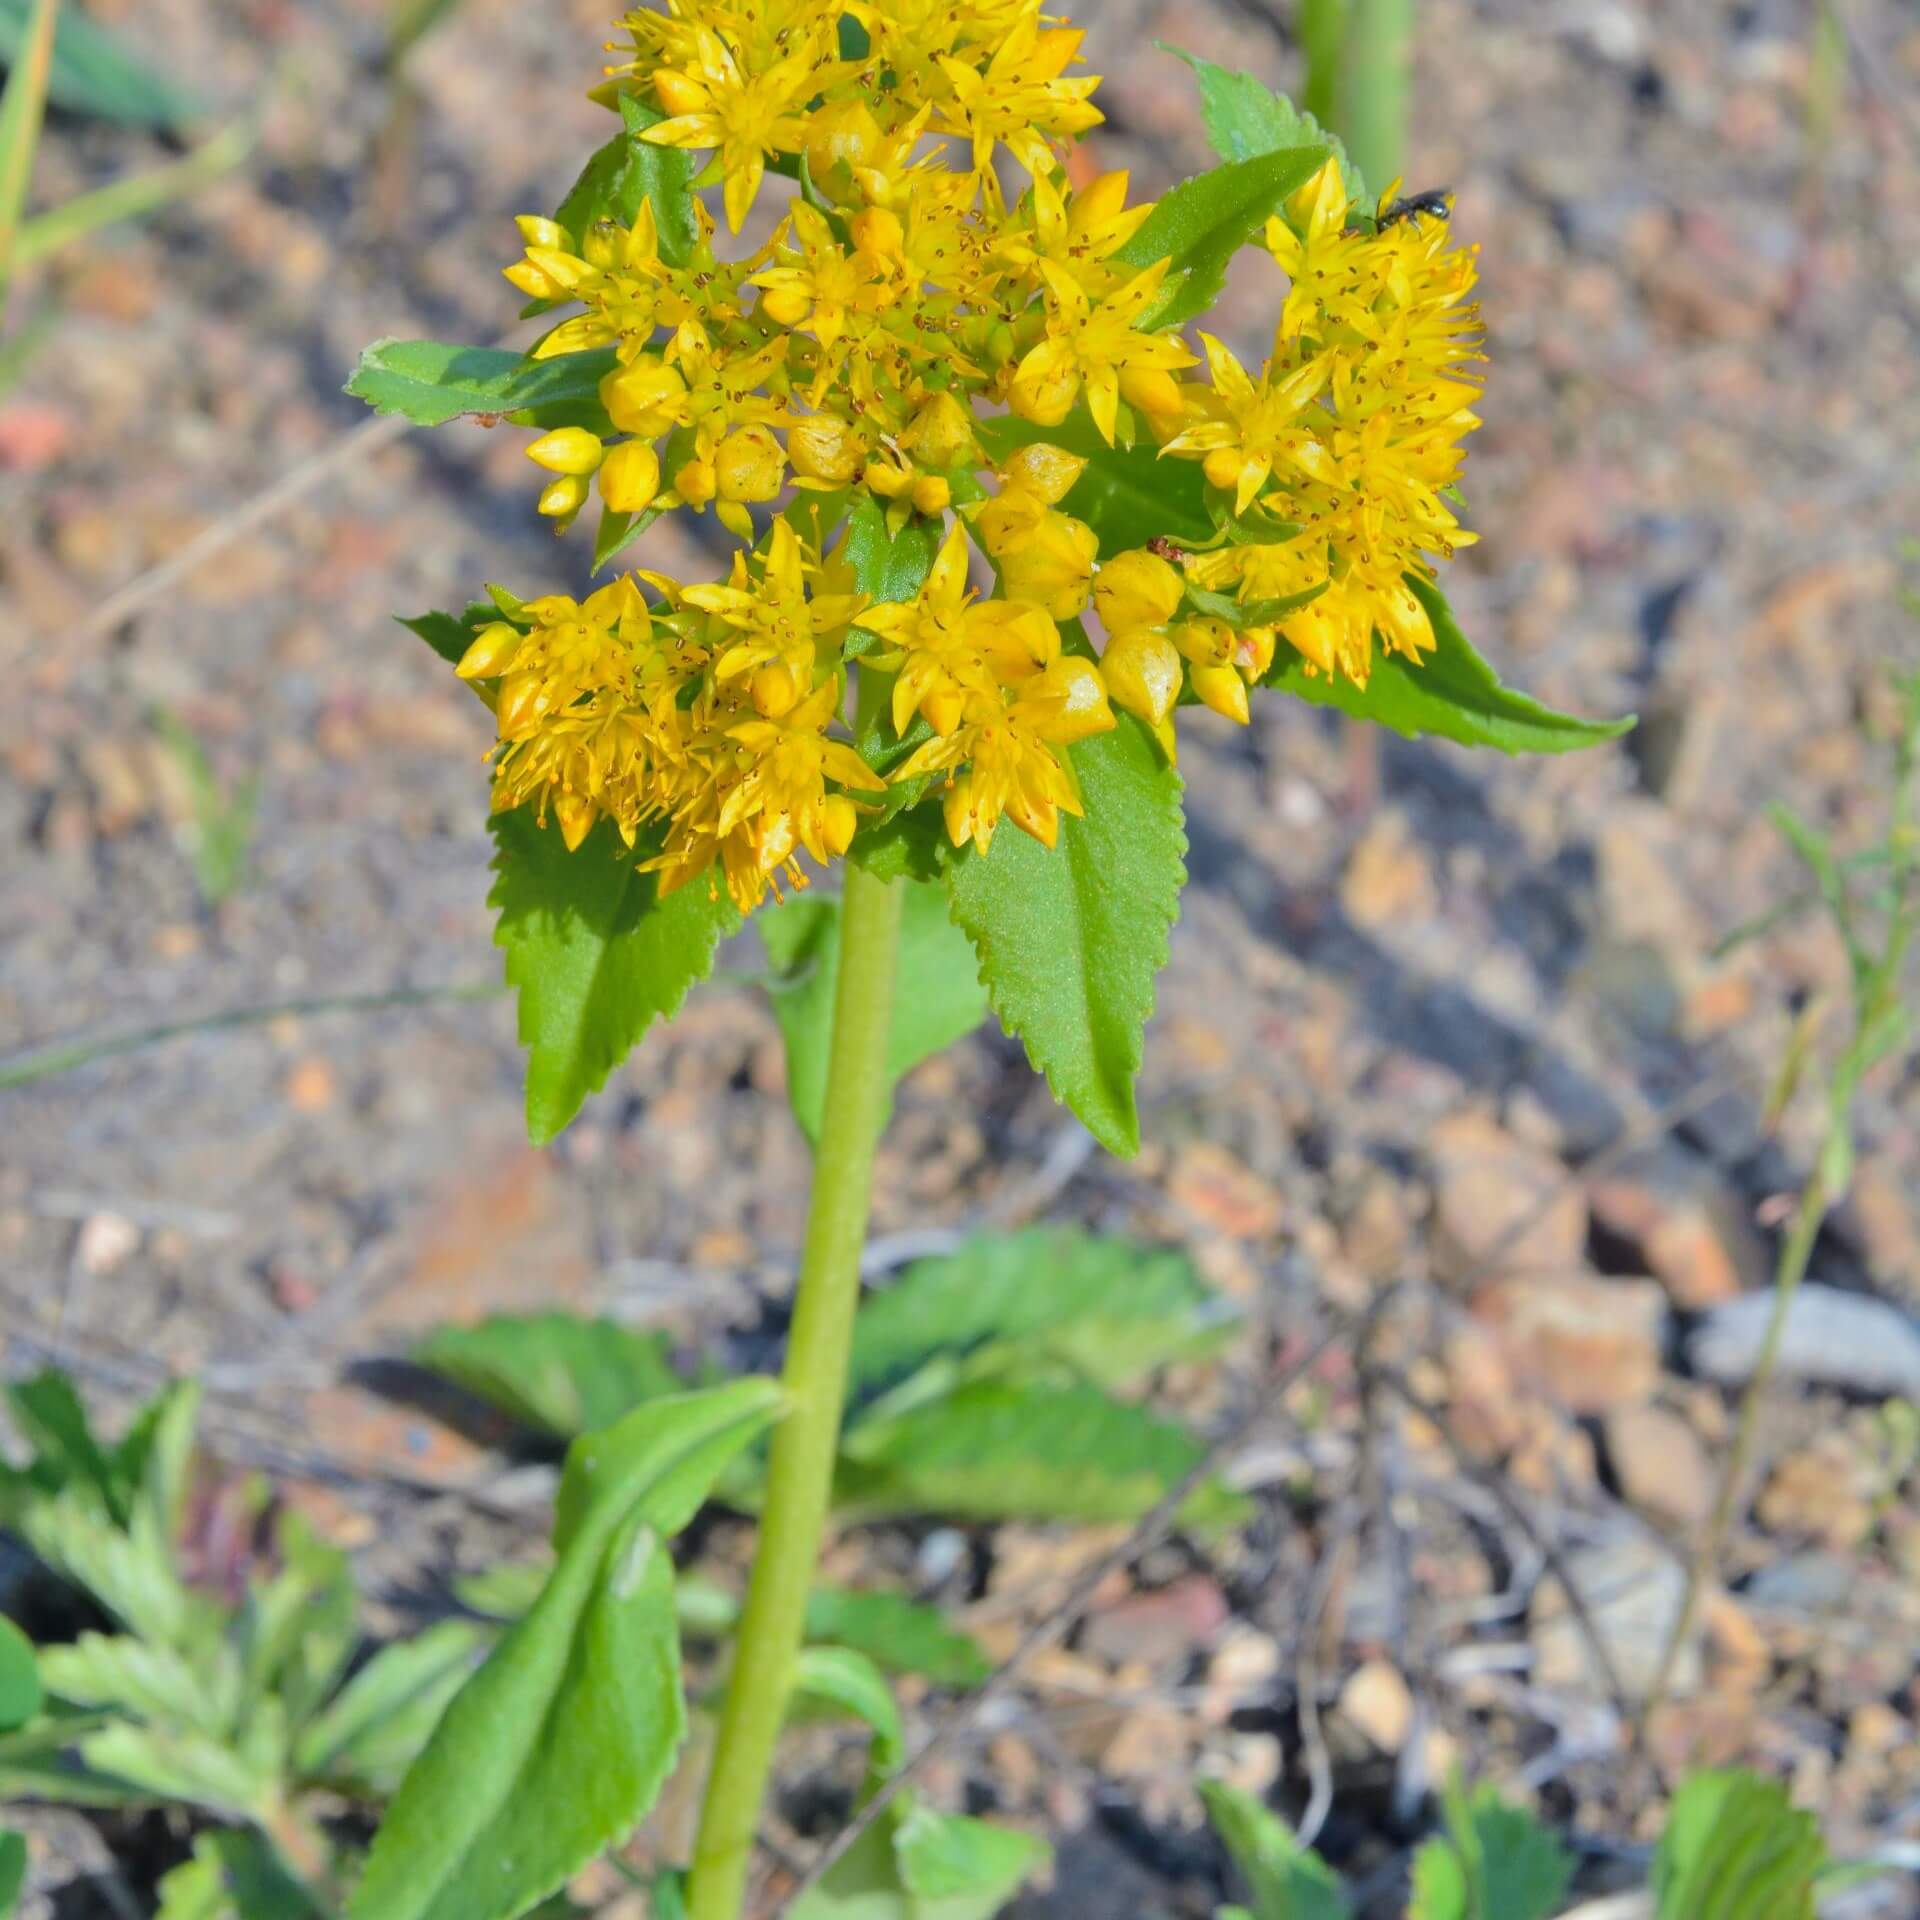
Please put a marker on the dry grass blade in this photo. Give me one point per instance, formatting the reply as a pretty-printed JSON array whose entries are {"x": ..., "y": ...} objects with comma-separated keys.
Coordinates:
[{"x": 22, "y": 109}]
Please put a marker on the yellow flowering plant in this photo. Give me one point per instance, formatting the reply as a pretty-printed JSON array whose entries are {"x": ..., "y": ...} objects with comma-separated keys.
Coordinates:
[{"x": 1008, "y": 516}]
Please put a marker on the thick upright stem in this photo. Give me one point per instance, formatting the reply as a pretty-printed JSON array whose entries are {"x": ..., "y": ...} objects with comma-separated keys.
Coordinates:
[
  {"x": 1323, "y": 33},
  {"x": 1373, "y": 87},
  {"x": 800, "y": 1470}
]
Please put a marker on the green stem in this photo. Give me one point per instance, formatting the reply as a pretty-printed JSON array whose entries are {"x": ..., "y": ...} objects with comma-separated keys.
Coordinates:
[
  {"x": 1323, "y": 26},
  {"x": 800, "y": 1469},
  {"x": 1373, "y": 88},
  {"x": 1790, "y": 1270}
]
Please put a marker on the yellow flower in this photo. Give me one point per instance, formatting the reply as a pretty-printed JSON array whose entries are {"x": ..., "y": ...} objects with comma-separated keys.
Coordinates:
[
  {"x": 1007, "y": 762},
  {"x": 1098, "y": 346},
  {"x": 1019, "y": 101},
  {"x": 1254, "y": 429},
  {"x": 767, "y": 606},
  {"x": 951, "y": 654},
  {"x": 750, "y": 117},
  {"x": 1135, "y": 596}
]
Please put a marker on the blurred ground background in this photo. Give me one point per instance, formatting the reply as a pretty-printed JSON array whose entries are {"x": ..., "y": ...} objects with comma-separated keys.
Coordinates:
[{"x": 1389, "y": 1019}]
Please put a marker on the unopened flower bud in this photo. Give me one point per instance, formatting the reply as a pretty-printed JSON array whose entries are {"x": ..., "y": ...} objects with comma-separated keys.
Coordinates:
[
  {"x": 630, "y": 477},
  {"x": 491, "y": 653},
  {"x": 634, "y": 396},
  {"x": 844, "y": 132},
  {"x": 1223, "y": 690},
  {"x": 1049, "y": 472},
  {"x": 1152, "y": 389},
  {"x": 1136, "y": 589},
  {"x": 677, "y": 93},
  {"x": 749, "y": 464},
  {"x": 563, "y": 496},
  {"x": 1206, "y": 642},
  {"x": 932, "y": 493},
  {"x": 694, "y": 483},
  {"x": 1142, "y": 672},
  {"x": 824, "y": 448},
  {"x": 774, "y": 690},
  {"x": 786, "y": 306},
  {"x": 567, "y": 450},
  {"x": 1078, "y": 698},
  {"x": 1053, "y": 566},
  {"x": 878, "y": 231},
  {"x": 839, "y": 818},
  {"x": 941, "y": 433}
]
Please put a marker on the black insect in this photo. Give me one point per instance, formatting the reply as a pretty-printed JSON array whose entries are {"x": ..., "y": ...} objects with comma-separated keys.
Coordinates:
[{"x": 1436, "y": 203}]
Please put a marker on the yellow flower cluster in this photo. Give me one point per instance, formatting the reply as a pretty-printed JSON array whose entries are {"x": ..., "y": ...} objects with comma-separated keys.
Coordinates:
[
  {"x": 1341, "y": 455},
  {"x": 901, "y": 293}
]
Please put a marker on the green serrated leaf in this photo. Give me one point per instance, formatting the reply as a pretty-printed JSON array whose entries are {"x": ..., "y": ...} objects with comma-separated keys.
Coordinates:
[
  {"x": 498, "y": 1811},
  {"x": 1107, "y": 1309},
  {"x": 1127, "y": 495},
  {"x": 176, "y": 1763},
  {"x": 940, "y": 998},
  {"x": 1202, "y": 223},
  {"x": 94, "y": 72},
  {"x": 434, "y": 381},
  {"x": 887, "y": 566},
  {"x": 595, "y": 954},
  {"x": 19, "y": 1678},
  {"x": 1497, "y": 1862},
  {"x": 129, "y": 1571},
  {"x": 54, "y": 1423},
  {"x": 1286, "y": 1880},
  {"x": 554, "y": 1371},
  {"x": 1011, "y": 1450},
  {"x": 374, "y": 1728},
  {"x": 624, "y": 175},
  {"x": 1452, "y": 693},
  {"x": 143, "y": 1681},
  {"x": 1071, "y": 937},
  {"x": 1244, "y": 119},
  {"x": 1736, "y": 1848}
]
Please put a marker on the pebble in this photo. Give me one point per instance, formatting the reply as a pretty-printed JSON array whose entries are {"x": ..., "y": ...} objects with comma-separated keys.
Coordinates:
[{"x": 1831, "y": 1338}]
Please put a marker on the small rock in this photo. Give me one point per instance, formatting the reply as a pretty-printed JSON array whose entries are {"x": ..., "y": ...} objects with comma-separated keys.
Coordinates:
[
  {"x": 1151, "y": 1744},
  {"x": 1210, "y": 1183},
  {"x": 310, "y": 1086},
  {"x": 1388, "y": 881},
  {"x": 1880, "y": 1211},
  {"x": 1633, "y": 1590},
  {"x": 1500, "y": 1206},
  {"x": 1684, "y": 1224},
  {"x": 1591, "y": 1344},
  {"x": 1836, "y": 1339},
  {"x": 1251, "y": 1762},
  {"x": 1660, "y": 1464},
  {"x": 1741, "y": 1658},
  {"x": 1376, "y": 1702},
  {"x": 1823, "y": 1492},
  {"x": 105, "y": 1241},
  {"x": 1241, "y": 1673},
  {"x": 1165, "y": 1624}
]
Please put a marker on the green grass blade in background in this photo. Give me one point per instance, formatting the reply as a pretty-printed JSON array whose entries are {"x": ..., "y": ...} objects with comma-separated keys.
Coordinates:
[
  {"x": 134, "y": 196},
  {"x": 22, "y": 109},
  {"x": 94, "y": 74}
]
